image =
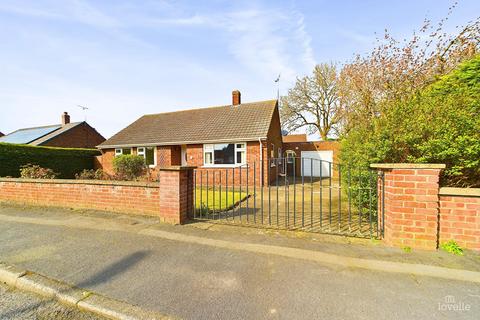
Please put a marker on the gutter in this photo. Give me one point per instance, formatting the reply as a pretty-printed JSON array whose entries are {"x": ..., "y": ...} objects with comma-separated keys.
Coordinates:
[{"x": 154, "y": 144}]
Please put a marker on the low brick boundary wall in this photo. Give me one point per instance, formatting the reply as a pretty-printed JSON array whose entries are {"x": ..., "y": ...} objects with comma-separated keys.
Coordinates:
[
  {"x": 121, "y": 196},
  {"x": 170, "y": 200},
  {"x": 411, "y": 204},
  {"x": 460, "y": 217},
  {"x": 420, "y": 214}
]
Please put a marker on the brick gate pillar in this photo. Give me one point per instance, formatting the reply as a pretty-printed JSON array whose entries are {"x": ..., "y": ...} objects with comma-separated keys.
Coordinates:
[
  {"x": 176, "y": 193},
  {"x": 410, "y": 204}
]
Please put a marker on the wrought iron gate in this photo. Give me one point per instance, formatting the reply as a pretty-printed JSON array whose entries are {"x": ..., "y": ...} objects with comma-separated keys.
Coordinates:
[{"x": 291, "y": 193}]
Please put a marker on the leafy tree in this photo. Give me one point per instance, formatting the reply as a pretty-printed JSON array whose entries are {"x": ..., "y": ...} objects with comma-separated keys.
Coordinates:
[
  {"x": 395, "y": 70},
  {"x": 313, "y": 103},
  {"x": 439, "y": 124},
  {"x": 415, "y": 101}
]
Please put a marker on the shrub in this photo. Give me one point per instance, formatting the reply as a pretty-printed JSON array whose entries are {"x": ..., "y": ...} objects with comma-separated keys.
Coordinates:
[
  {"x": 452, "y": 247},
  {"x": 129, "y": 167},
  {"x": 33, "y": 171},
  {"x": 66, "y": 161},
  {"x": 91, "y": 174},
  {"x": 439, "y": 124}
]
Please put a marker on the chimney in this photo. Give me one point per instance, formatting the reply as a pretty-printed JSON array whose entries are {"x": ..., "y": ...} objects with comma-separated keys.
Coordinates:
[
  {"x": 65, "y": 118},
  {"x": 236, "y": 98}
]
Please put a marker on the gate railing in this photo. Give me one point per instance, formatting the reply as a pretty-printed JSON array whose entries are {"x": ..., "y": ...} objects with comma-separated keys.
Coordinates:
[{"x": 291, "y": 193}]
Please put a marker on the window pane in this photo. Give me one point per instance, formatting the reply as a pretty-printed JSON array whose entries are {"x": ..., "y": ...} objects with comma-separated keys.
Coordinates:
[
  {"x": 224, "y": 154},
  {"x": 241, "y": 157},
  {"x": 118, "y": 152},
  {"x": 208, "y": 147},
  {"x": 126, "y": 151},
  {"x": 208, "y": 158},
  {"x": 240, "y": 145},
  {"x": 150, "y": 156}
]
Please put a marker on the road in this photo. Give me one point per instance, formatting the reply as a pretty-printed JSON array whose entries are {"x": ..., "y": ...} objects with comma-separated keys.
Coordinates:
[{"x": 195, "y": 281}]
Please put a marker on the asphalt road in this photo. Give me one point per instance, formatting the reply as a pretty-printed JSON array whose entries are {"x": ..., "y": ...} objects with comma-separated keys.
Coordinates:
[
  {"x": 198, "y": 282},
  {"x": 19, "y": 305}
]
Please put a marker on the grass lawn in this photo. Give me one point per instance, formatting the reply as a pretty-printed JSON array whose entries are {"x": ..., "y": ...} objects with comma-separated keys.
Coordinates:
[{"x": 217, "y": 200}]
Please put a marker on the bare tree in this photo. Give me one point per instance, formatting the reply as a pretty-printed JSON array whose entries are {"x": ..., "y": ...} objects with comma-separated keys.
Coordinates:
[{"x": 313, "y": 103}]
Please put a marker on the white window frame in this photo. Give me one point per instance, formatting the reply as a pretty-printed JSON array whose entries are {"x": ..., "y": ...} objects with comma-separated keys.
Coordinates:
[
  {"x": 119, "y": 151},
  {"x": 143, "y": 154},
  {"x": 210, "y": 148}
]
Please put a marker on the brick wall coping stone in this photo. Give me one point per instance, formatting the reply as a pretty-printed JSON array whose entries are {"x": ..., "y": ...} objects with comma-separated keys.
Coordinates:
[
  {"x": 91, "y": 182},
  {"x": 465, "y": 192},
  {"x": 407, "y": 166},
  {"x": 177, "y": 168}
]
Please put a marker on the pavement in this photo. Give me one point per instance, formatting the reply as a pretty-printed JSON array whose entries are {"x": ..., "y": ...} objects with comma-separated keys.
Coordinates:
[
  {"x": 124, "y": 258},
  {"x": 20, "y": 305}
]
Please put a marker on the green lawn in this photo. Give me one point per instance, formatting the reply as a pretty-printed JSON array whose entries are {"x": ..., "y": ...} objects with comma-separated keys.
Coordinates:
[{"x": 207, "y": 198}]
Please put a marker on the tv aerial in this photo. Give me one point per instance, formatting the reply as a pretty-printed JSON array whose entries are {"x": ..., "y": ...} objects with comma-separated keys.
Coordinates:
[{"x": 84, "y": 110}]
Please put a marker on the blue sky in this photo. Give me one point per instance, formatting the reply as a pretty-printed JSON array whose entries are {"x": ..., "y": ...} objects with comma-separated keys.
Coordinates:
[{"x": 123, "y": 59}]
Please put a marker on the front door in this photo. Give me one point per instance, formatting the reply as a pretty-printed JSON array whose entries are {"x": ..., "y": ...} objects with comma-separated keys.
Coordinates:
[{"x": 184, "y": 155}]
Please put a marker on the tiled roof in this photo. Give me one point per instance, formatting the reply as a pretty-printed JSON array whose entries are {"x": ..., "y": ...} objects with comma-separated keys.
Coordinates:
[
  {"x": 247, "y": 122},
  {"x": 295, "y": 138}
]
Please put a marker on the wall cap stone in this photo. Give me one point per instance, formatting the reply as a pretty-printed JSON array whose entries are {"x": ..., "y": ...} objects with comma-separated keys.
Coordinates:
[
  {"x": 407, "y": 165},
  {"x": 464, "y": 192},
  {"x": 90, "y": 182},
  {"x": 177, "y": 168}
]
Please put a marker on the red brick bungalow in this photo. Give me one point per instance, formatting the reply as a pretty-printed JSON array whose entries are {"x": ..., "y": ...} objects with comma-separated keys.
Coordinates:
[
  {"x": 224, "y": 138},
  {"x": 217, "y": 139}
]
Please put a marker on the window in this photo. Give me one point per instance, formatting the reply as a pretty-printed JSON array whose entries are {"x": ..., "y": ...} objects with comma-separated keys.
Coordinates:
[
  {"x": 290, "y": 156},
  {"x": 225, "y": 154},
  {"x": 120, "y": 151},
  {"x": 148, "y": 153},
  {"x": 241, "y": 153}
]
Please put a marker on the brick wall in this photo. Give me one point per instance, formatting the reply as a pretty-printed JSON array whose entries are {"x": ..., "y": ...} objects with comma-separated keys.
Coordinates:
[
  {"x": 411, "y": 204},
  {"x": 176, "y": 193},
  {"x": 121, "y": 196},
  {"x": 170, "y": 200},
  {"x": 81, "y": 136},
  {"x": 460, "y": 217}
]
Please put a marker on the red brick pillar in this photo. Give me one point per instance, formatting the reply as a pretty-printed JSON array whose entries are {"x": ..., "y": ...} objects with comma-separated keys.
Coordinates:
[
  {"x": 411, "y": 204},
  {"x": 176, "y": 193}
]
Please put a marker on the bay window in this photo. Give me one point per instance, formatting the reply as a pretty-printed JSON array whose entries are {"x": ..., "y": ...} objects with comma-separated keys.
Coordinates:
[{"x": 225, "y": 154}]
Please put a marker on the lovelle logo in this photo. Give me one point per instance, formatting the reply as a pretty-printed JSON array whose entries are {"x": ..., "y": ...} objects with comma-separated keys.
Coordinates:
[{"x": 449, "y": 304}]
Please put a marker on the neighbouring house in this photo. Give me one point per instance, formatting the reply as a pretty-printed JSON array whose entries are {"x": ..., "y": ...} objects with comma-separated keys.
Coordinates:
[
  {"x": 66, "y": 134},
  {"x": 234, "y": 138}
]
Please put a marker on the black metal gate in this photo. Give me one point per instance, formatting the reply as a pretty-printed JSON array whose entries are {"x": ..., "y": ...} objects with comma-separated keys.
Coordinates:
[{"x": 291, "y": 193}]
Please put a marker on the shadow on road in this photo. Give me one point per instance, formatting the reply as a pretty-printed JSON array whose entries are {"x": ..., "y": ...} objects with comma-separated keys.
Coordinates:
[
  {"x": 114, "y": 269},
  {"x": 102, "y": 276}
]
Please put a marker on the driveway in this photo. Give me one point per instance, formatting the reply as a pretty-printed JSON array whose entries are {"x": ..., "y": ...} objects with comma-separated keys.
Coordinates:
[{"x": 194, "y": 281}]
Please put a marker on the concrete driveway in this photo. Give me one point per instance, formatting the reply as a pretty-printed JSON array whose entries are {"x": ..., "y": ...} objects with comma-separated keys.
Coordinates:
[{"x": 194, "y": 281}]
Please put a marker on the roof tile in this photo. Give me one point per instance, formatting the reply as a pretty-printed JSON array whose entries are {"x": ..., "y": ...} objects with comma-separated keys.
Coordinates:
[{"x": 247, "y": 121}]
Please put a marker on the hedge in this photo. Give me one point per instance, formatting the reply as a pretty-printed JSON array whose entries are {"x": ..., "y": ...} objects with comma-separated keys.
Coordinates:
[{"x": 65, "y": 161}]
